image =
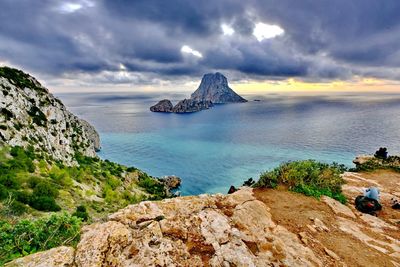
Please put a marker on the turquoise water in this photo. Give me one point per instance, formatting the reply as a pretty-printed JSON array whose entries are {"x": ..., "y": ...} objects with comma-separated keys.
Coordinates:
[{"x": 216, "y": 148}]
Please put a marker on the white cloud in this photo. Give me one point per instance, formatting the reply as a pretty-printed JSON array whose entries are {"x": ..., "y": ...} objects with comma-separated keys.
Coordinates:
[
  {"x": 122, "y": 67},
  {"x": 189, "y": 50},
  {"x": 71, "y": 7},
  {"x": 267, "y": 31},
  {"x": 227, "y": 30}
]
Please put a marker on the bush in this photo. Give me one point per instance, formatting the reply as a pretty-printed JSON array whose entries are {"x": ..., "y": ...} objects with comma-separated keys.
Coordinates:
[
  {"x": 3, "y": 192},
  {"x": 30, "y": 236},
  {"x": 23, "y": 196},
  {"x": 45, "y": 189},
  {"x": 309, "y": 177},
  {"x": 82, "y": 213},
  {"x": 17, "y": 208},
  {"x": 152, "y": 186},
  {"x": 10, "y": 181},
  {"x": 44, "y": 203}
]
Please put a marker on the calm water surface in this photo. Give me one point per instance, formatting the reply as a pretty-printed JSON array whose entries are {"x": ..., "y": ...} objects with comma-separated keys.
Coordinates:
[{"x": 212, "y": 149}]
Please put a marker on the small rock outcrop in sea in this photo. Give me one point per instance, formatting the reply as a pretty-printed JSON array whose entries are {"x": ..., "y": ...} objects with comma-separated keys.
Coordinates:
[
  {"x": 171, "y": 181},
  {"x": 31, "y": 115},
  {"x": 190, "y": 105},
  {"x": 213, "y": 89},
  {"x": 162, "y": 106}
]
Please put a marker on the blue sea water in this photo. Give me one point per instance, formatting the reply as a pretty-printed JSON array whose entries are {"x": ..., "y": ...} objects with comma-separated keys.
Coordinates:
[{"x": 216, "y": 148}]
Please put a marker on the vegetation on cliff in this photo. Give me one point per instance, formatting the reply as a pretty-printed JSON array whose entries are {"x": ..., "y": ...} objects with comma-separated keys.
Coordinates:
[
  {"x": 309, "y": 177},
  {"x": 32, "y": 183}
]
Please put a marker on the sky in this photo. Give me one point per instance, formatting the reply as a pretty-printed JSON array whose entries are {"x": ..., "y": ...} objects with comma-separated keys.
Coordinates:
[{"x": 150, "y": 45}]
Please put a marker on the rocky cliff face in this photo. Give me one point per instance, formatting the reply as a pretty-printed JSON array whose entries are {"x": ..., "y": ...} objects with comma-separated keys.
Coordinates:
[
  {"x": 30, "y": 115},
  {"x": 214, "y": 87}
]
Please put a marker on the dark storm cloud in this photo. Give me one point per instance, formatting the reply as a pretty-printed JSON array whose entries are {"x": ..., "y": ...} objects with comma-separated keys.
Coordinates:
[{"x": 323, "y": 39}]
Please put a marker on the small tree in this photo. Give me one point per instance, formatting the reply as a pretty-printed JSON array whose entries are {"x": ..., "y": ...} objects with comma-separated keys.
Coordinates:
[{"x": 381, "y": 153}]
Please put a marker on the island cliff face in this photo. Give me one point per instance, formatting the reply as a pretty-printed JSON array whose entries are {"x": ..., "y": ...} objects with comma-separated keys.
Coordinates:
[
  {"x": 30, "y": 115},
  {"x": 213, "y": 89}
]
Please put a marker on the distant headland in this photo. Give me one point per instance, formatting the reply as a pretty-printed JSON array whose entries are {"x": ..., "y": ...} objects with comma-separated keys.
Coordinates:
[{"x": 213, "y": 89}]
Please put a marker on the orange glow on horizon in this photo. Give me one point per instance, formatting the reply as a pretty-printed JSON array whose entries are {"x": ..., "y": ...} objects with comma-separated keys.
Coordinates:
[{"x": 294, "y": 85}]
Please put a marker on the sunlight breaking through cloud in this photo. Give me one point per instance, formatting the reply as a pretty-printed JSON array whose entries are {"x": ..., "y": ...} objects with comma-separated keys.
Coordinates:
[
  {"x": 227, "y": 30},
  {"x": 188, "y": 50},
  {"x": 267, "y": 31}
]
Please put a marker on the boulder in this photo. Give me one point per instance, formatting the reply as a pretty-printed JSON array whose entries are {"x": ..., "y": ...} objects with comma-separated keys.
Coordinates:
[{"x": 55, "y": 257}]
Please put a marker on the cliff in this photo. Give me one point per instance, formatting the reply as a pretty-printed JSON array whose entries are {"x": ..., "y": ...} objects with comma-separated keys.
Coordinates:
[
  {"x": 251, "y": 227},
  {"x": 30, "y": 115},
  {"x": 214, "y": 87}
]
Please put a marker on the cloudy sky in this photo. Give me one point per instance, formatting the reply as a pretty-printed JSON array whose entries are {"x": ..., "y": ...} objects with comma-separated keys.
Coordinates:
[{"x": 167, "y": 45}]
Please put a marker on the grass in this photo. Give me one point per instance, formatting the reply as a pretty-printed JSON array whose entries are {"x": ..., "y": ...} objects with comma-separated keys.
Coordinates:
[
  {"x": 29, "y": 236},
  {"x": 308, "y": 177}
]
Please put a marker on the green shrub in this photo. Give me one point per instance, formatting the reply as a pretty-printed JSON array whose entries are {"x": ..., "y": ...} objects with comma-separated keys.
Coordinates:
[
  {"x": 152, "y": 186},
  {"x": 44, "y": 203},
  {"x": 10, "y": 181},
  {"x": 38, "y": 117},
  {"x": 23, "y": 196},
  {"x": 82, "y": 213},
  {"x": 30, "y": 236},
  {"x": 3, "y": 192},
  {"x": 309, "y": 177},
  {"x": 17, "y": 208},
  {"x": 45, "y": 189}
]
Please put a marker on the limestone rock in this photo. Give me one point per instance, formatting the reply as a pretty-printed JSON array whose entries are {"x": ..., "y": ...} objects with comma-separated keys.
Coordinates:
[
  {"x": 205, "y": 230},
  {"x": 337, "y": 207},
  {"x": 362, "y": 159},
  {"x": 162, "y": 106},
  {"x": 30, "y": 115},
  {"x": 214, "y": 87},
  {"x": 93, "y": 135},
  {"x": 56, "y": 257}
]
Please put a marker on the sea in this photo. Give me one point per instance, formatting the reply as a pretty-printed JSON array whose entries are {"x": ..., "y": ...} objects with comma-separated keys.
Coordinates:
[{"x": 223, "y": 146}]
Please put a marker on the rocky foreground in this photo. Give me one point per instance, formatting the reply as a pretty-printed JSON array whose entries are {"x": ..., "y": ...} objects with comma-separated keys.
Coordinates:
[{"x": 252, "y": 227}]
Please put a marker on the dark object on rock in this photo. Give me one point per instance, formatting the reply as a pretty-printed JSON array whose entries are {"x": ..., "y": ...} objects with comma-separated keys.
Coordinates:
[
  {"x": 395, "y": 204},
  {"x": 162, "y": 106},
  {"x": 214, "y": 87},
  {"x": 367, "y": 205},
  {"x": 189, "y": 105},
  {"x": 232, "y": 189},
  {"x": 381, "y": 153},
  {"x": 249, "y": 182}
]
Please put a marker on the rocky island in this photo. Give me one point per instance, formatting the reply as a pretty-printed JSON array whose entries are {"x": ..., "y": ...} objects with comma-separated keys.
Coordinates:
[{"x": 213, "y": 89}]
